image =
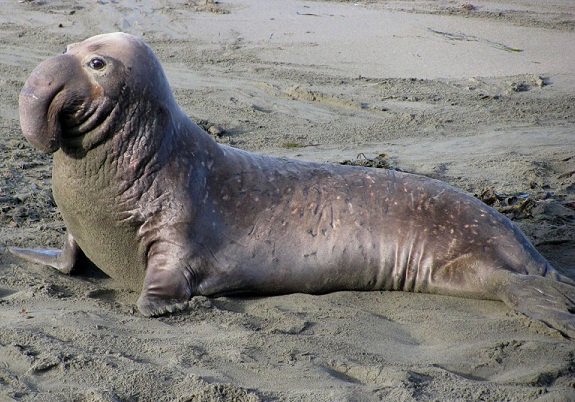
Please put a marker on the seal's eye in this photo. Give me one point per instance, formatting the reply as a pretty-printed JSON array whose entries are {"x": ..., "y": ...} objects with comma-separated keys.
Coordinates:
[{"x": 97, "y": 63}]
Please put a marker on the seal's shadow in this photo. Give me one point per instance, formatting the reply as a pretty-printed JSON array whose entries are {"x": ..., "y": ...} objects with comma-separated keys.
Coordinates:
[
  {"x": 561, "y": 256},
  {"x": 87, "y": 270}
]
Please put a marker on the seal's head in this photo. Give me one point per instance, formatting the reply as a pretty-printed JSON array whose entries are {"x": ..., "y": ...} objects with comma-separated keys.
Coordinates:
[{"x": 77, "y": 100}]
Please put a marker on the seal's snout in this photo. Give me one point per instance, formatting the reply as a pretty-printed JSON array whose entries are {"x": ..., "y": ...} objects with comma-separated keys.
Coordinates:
[{"x": 39, "y": 107}]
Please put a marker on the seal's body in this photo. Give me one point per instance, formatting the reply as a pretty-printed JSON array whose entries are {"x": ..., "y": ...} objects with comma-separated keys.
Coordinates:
[{"x": 155, "y": 203}]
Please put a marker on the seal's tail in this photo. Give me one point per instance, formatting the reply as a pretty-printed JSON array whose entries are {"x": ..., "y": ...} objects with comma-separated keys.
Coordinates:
[
  {"x": 550, "y": 300},
  {"x": 551, "y": 273}
]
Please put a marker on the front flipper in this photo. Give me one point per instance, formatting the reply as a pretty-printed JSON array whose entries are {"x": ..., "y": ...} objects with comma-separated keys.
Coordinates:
[
  {"x": 544, "y": 299},
  {"x": 63, "y": 260},
  {"x": 168, "y": 282}
]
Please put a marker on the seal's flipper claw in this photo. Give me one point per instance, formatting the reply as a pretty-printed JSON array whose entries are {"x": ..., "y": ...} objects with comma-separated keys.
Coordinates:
[
  {"x": 153, "y": 306},
  {"x": 543, "y": 299},
  {"x": 63, "y": 260}
]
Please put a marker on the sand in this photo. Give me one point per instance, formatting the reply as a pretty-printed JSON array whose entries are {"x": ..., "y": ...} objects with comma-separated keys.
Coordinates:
[{"x": 479, "y": 95}]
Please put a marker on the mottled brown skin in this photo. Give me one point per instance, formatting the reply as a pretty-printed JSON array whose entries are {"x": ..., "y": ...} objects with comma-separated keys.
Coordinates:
[{"x": 156, "y": 204}]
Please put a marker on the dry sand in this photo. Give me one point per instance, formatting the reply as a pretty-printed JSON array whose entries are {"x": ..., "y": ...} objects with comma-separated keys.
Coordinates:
[{"x": 480, "y": 98}]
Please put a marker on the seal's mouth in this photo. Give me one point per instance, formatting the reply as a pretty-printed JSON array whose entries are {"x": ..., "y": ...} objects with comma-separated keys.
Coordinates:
[
  {"x": 84, "y": 121},
  {"x": 77, "y": 116}
]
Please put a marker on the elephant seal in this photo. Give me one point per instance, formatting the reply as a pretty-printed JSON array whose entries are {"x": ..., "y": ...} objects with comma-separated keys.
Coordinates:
[{"x": 158, "y": 205}]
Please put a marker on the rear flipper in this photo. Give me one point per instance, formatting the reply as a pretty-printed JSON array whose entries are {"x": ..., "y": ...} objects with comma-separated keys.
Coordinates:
[
  {"x": 544, "y": 299},
  {"x": 63, "y": 260}
]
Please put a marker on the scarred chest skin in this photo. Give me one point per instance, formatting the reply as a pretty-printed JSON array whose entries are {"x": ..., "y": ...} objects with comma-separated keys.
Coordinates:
[{"x": 91, "y": 213}]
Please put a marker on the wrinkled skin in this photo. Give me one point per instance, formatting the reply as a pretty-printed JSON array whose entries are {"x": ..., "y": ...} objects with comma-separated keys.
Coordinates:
[{"x": 156, "y": 204}]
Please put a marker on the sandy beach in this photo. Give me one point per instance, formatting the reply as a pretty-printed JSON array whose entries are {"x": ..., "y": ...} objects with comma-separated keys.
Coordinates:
[{"x": 480, "y": 95}]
